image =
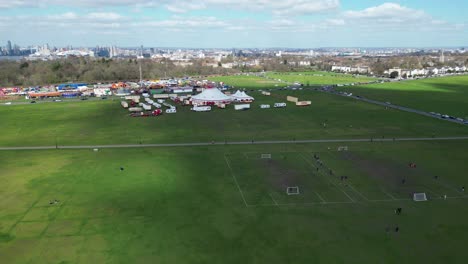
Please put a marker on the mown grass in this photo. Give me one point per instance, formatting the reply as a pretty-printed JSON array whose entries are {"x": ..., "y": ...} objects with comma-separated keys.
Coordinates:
[
  {"x": 182, "y": 205},
  {"x": 447, "y": 95},
  {"x": 248, "y": 82},
  {"x": 317, "y": 78},
  {"x": 105, "y": 122}
]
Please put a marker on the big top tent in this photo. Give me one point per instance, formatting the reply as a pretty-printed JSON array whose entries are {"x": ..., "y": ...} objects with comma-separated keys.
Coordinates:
[{"x": 211, "y": 96}]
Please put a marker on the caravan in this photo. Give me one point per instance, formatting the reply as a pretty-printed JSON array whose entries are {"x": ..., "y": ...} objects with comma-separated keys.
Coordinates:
[
  {"x": 242, "y": 106},
  {"x": 201, "y": 108},
  {"x": 279, "y": 105}
]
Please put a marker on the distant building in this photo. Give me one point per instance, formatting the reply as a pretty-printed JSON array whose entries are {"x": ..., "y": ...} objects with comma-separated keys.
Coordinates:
[
  {"x": 442, "y": 57},
  {"x": 9, "y": 48},
  {"x": 351, "y": 69}
]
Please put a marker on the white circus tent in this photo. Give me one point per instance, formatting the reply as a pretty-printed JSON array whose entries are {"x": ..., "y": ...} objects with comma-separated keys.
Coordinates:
[
  {"x": 241, "y": 96},
  {"x": 211, "y": 96}
]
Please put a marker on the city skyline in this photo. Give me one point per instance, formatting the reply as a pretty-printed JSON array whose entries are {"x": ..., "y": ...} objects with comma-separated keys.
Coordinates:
[{"x": 235, "y": 24}]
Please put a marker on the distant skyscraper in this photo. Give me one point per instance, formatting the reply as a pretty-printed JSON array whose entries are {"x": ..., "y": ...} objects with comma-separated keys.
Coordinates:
[
  {"x": 9, "y": 49},
  {"x": 442, "y": 57},
  {"x": 113, "y": 52}
]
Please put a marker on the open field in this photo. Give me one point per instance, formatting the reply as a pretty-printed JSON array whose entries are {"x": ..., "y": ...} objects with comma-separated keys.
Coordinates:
[
  {"x": 318, "y": 78},
  {"x": 105, "y": 122},
  {"x": 195, "y": 205},
  {"x": 248, "y": 82},
  {"x": 228, "y": 203},
  {"x": 446, "y": 95}
]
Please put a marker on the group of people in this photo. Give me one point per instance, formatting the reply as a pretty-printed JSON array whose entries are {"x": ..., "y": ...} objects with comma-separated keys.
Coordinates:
[
  {"x": 398, "y": 211},
  {"x": 54, "y": 201}
]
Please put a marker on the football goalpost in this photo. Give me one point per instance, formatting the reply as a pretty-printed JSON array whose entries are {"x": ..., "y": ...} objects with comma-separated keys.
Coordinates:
[
  {"x": 343, "y": 148},
  {"x": 292, "y": 190},
  {"x": 265, "y": 156},
  {"x": 419, "y": 197}
]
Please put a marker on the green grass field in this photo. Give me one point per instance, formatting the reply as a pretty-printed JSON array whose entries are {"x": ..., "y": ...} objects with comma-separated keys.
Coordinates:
[
  {"x": 225, "y": 203},
  {"x": 248, "y": 82},
  {"x": 281, "y": 79},
  {"x": 317, "y": 78},
  {"x": 446, "y": 95},
  {"x": 183, "y": 205},
  {"x": 105, "y": 122}
]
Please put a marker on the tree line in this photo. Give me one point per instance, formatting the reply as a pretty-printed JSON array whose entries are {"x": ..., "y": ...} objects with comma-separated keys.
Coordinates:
[{"x": 74, "y": 69}]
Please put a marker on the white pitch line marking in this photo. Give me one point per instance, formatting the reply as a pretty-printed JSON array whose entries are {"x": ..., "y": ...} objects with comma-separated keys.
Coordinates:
[
  {"x": 320, "y": 197},
  {"x": 431, "y": 191},
  {"x": 271, "y": 196},
  {"x": 235, "y": 180},
  {"x": 358, "y": 192},
  {"x": 388, "y": 194},
  {"x": 391, "y": 200},
  {"x": 297, "y": 204},
  {"x": 328, "y": 179}
]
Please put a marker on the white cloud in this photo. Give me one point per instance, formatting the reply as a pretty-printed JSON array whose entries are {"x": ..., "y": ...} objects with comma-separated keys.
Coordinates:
[
  {"x": 395, "y": 17},
  {"x": 178, "y": 22},
  {"x": 15, "y": 3},
  {"x": 387, "y": 11},
  {"x": 273, "y": 6},
  {"x": 365, "y": 24},
  {"x": 182, "y": 6},
  {"x": 71, "y": 20},
  {"x": 335, "y": 22},
  {"x": 284, "y": 7},
  {"x": 107, "y": 16},
  {"x": 64, "y": 16}
]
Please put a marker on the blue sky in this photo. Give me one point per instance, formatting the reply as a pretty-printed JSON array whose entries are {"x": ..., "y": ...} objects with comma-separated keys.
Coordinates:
[{"x": 235, "y": 23}]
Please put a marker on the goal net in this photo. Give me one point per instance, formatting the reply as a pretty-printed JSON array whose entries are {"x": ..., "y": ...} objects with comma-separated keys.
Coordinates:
[
  {"x": 419, "y": 197},
  {"x": 265, "y": 156},
  {"x": 292, "y": 190},
  {"x": 343, "y": 148}
]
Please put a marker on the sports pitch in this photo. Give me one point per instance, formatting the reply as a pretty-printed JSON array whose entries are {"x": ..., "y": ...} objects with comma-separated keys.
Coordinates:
[
  {"x": 445, "y": 95},
  {"x": 272, "y": 203},
  {"x": 318, "y": 78},
  {"x": 197, "y": 204},
  {"x": 332, "y": 177}
]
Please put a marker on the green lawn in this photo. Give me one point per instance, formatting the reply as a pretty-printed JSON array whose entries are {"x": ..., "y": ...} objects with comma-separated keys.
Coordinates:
[
  {"x": 105, "y": 122},
  {"x": 248, "y": 82},
  {"x": 318, "y": 78},
  {"x": 183, "y": 205},
  {"x": 447, "y": 95},
  {"x": 225, "y": 204}
]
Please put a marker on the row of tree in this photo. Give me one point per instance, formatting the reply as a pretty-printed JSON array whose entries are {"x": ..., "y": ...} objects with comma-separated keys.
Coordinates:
[{"x": 33, "y": 73}]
